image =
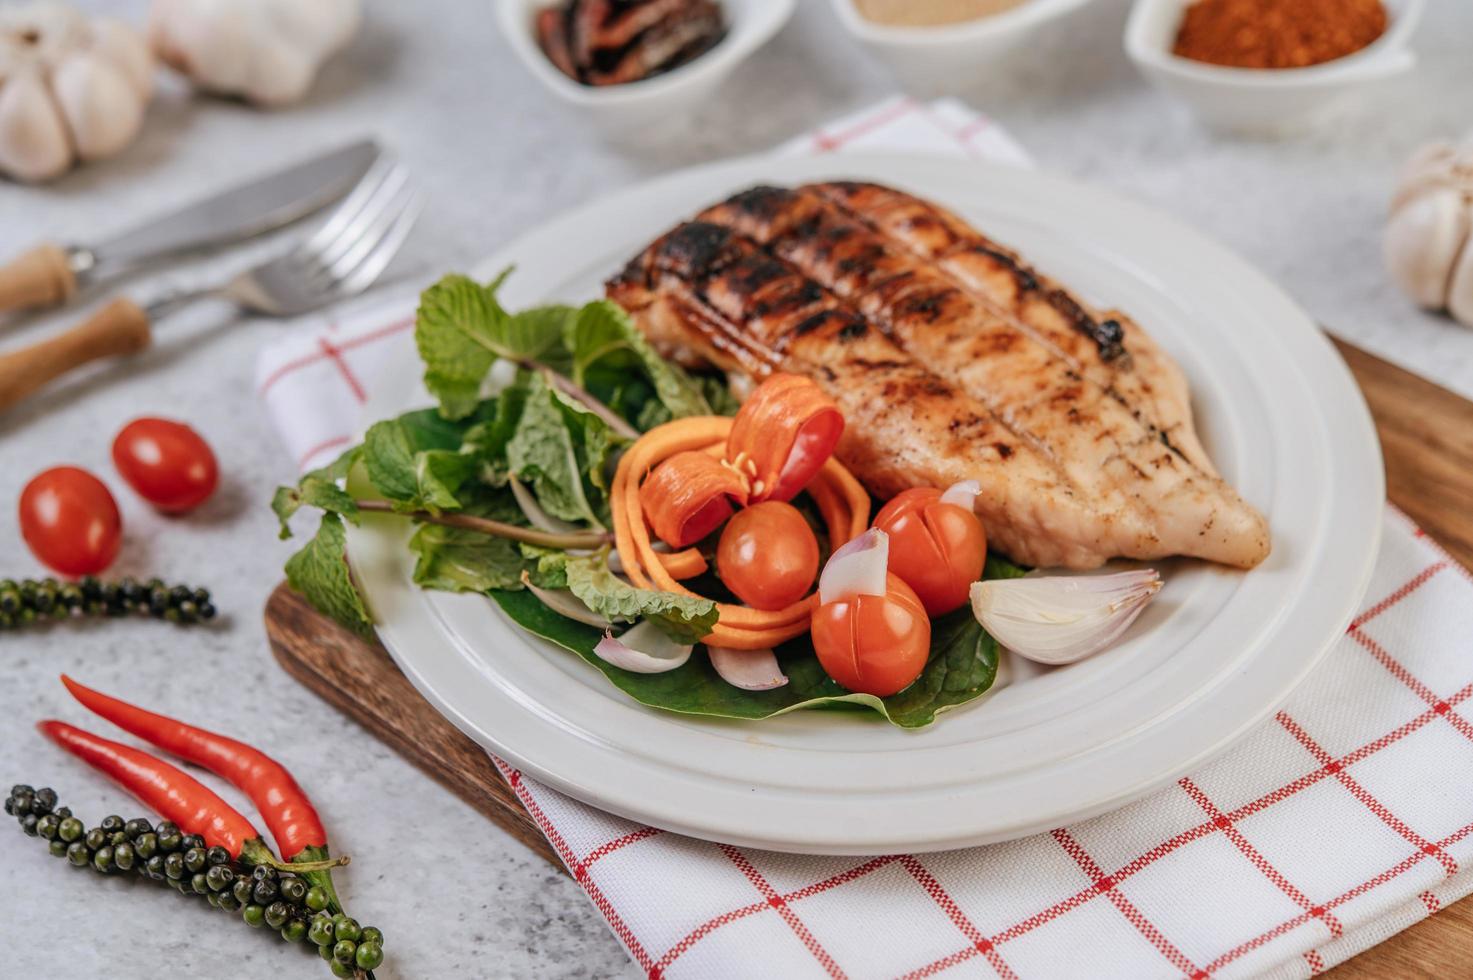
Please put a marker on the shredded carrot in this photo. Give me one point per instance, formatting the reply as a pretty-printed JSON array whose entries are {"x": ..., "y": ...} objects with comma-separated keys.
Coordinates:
[
  {"x": 841, "y": 501},
  {"x": 684, "y": 564}
]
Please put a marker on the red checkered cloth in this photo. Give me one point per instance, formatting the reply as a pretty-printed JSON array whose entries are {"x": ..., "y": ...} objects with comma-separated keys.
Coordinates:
[{"x": 1335, "y": 825}]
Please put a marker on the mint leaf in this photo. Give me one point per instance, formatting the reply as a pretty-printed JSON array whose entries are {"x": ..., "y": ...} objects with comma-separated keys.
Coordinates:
[
  {"x": 318, "y": 488},
  {"x": 487, "y": 440},
  {"x": 453, "y": 326},
  {"x": 320, "y": 572},
  {"x": 685, "y": 618},
  {"x": 311, "y": 492},
  {"x": 415, "y": 461},
  {"x": 555, "y": 445},
  {"x": 461, "y": 330},
  {"x": 607, "y": 349}
]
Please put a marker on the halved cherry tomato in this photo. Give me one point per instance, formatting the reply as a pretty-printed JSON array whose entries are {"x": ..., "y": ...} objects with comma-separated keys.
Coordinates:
[
  {"x": 688, "y": 496},
  {"x": 782, "y": 435},
  {"x": 874, "y": 644},
  {"x": 167, "y": 463},
  {"x": 70, "y": 521},
  {"x": 768, "y": 555},
  {"x": 937, "y": 548}
]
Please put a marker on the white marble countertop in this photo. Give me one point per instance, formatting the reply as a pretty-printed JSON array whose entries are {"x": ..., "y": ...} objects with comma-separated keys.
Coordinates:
[{"x": 455, "y": 896}]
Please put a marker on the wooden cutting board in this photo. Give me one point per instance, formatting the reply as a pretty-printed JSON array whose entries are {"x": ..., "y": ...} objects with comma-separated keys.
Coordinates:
[{"x": 1426, "y": 435}]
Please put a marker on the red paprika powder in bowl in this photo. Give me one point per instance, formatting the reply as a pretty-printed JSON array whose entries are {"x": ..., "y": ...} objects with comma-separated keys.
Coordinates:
[
  {"x": 1270, "y": 67},
  {"x": 1277, "y": 33}
]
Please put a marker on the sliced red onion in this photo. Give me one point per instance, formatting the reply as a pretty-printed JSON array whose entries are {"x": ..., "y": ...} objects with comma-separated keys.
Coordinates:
[
  {"x": 565, "y": 603},
  {"x": 750, "y": 670},
  {"x": 644, "y": 648},
  {"x": 539, "y": 518},
  {"x": 857, "y": 568},
  {"x": 963, "y": 494},
  {"x": 1062, "y": 619}
]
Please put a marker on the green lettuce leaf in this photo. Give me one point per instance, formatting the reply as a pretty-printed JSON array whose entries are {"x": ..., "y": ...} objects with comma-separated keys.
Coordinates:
[
  {"x": 457, "y": 560},
  {"x": 684, "y": 618},
  {"x": 320, "y": 572},
  {"x": 454, "y": 560}
]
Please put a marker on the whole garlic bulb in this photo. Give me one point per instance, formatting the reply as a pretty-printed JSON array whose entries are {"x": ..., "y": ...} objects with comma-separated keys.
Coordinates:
[
  {"x": 266, "y": 51},
  {"x": 70, "y": 89},
  {"x": 1429, "y": 240}
]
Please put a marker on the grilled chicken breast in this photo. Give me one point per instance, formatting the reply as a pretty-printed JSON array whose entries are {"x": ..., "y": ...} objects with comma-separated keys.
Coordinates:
[
  {"x": 706, "y": 294},
  {"x": 946, "y": 372},
  {"x": 1105, "y": 447},
  {"x": 1108, "y": 348}
]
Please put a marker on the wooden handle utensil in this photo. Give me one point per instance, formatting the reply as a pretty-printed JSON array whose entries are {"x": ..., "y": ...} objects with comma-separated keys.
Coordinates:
[
  {"x": 120, "y": 327},
  {"x": 38, "y": 278}
]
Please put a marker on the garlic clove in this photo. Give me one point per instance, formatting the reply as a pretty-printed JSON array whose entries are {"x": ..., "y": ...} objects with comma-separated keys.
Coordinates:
[
  {"x": 281, "y": 73},
  {"x": 644, "y": 648},
  {"x": 33, "y": 140},
  {"x": 1423, "y": 240},
  {"x": 1059, "y": 620},
  {"x": 750, "y": 670},
  {"x": 857, "y": 568},
  {"x": 125, "y": 50},
  {"x": 101, "y": 109},
  {"x": 1460, "y": 283}
]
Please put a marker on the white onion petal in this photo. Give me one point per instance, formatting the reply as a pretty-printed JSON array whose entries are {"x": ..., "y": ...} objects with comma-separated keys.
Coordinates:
[
  {"x": 644, "y": 648},
  {"x": 750, "y": 670},
  {"x": 565, "y": 603},
  {"x": 536, "y": 516},
  {"x": 963, "y": 494},
  {"x": 858, "y": 568},
  {"x": 1061, "y": 619}
]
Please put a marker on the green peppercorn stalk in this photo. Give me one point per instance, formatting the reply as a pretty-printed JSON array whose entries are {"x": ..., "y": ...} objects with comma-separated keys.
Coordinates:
[
  {"x": 264, "y": 896},
  {"x": 30, "y": 602}
]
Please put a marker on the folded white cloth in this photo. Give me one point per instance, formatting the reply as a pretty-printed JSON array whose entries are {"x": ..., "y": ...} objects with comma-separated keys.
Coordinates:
[{"x": 1343, "y": 820}]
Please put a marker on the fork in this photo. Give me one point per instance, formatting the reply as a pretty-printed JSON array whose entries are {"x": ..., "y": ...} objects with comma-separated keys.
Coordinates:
[{"x": 339, "y": 260}]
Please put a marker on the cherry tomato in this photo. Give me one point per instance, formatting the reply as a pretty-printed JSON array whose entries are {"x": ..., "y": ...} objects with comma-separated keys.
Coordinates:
[
  {"x": 70, "y": 521},
  {"x": 768, "y": 555},
  {"x": 937, "y": 548},
  {"x": 167, "y": 463},
  {"x": 874, "y": 644}
]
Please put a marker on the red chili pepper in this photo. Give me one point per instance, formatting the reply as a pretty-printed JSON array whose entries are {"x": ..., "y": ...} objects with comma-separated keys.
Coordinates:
[
  {"x": 283, "y": 805},
  {"x": 173, "y": 794}
]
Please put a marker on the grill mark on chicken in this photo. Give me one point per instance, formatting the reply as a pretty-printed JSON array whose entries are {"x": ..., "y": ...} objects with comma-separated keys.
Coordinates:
[
  {"x": 1101, "y": 445},
  {"x": 997, "y": 275},
  {"x": 930, "y": 317},
  {"x": 906, "y": 425}
]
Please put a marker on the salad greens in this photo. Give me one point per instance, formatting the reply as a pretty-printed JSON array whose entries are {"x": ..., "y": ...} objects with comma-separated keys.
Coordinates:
[{"x": 551, "y": 396}]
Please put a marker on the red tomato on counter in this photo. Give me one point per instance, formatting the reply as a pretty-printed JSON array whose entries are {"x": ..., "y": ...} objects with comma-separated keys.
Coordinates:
[
  {"x": 937, "y": 548},
  {"x": 167, "y": 463},
  {"x": 70, "y": 521},
  {"x": 874, "y": 644}
]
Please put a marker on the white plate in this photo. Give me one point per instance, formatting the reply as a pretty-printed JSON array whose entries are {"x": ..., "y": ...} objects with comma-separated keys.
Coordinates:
[{"x": 1213, "y": 655}]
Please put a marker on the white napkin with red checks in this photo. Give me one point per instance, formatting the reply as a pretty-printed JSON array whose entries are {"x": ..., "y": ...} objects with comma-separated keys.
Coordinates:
[{"x": 1345, "y": 819}]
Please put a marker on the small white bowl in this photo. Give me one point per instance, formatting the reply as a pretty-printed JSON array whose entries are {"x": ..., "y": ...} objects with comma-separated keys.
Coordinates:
[
  {"x": 636, "y": 110},
  {"x": 950, "y": 57},
  {"x": 1264, "y": 102}
]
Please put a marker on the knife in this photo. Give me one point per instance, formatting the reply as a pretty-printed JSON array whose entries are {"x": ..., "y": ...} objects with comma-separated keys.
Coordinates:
[{"x": 50, "y": 274}]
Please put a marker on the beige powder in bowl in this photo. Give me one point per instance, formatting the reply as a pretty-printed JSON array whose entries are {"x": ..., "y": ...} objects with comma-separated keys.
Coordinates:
[{"x": 930, "y": 13}]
